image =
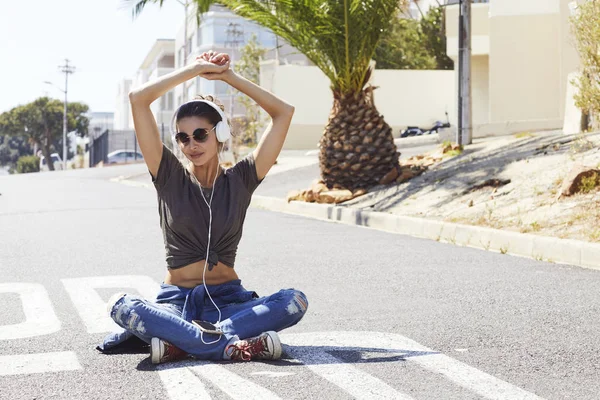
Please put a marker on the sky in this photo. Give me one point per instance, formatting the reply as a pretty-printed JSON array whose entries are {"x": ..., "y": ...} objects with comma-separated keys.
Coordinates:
[{"x": 99, "y": 37}]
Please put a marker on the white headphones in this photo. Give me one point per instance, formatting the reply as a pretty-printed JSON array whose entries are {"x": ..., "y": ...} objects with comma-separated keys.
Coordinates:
[{"x": 221, "y": 129}]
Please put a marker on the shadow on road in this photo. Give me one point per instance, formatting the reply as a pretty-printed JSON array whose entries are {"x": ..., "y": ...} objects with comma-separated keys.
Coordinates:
[{"x": 297, "y": 356}]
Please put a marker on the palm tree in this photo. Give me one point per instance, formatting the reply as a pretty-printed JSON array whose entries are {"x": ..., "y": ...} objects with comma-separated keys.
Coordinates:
[{"x": 339, "y": 36}]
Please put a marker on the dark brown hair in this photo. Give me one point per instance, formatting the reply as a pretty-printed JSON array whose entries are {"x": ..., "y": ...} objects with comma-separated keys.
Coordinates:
[{"x": 198, "y": 109}]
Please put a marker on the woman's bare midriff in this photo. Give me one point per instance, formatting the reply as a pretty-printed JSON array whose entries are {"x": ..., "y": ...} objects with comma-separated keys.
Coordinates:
[{"x": 191, "y": 275}]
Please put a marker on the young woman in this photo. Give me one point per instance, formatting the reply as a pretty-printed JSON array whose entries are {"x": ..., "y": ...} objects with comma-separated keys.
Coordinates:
[{"x": 202, "y": 309}]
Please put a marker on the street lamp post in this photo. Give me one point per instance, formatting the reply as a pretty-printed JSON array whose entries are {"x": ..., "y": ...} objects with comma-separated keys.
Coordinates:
[{"x": 67, "y": 69}]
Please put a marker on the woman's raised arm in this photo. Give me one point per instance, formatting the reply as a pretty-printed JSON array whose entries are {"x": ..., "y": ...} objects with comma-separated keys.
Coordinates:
[
  {"x": 140, "y": 98},
  {"x": 281, "y": 113}
]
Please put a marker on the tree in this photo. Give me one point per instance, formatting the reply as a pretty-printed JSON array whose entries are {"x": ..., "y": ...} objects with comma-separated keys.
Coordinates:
[
  {"x": 340, "y": 37},
  {"x": 412, "y": 44},
  {"x": 403, "y": 47},
  {"x": 11, "y": 148},
  {"x": 41, "y": 123},
  {"x": 434, "y": 31},
  {"x": 585, "y": 25},
  {"x": 249, "y": 67}
]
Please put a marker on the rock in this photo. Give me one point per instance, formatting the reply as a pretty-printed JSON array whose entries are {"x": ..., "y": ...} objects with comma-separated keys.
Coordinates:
[
  {"x": 405, "y": 175},
  {"x": 319, "y": 186},
  {"x": 452, "y": 147},
  {"x": 319, "y": 193},
  {"x": 294, "y": 195},
  {"x": 389, "y": 177},
  {"x": 335, "y": 196},
  {"x": 359, "y": 192},
  {"x": 428, "y": 162},
  {"x": 578, "y": 175}
]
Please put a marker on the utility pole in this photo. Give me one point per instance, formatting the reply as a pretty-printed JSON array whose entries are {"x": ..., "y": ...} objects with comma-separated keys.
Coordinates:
[
  {"x": 66, "y": 69},
  {"x": 465, "y": 119}
]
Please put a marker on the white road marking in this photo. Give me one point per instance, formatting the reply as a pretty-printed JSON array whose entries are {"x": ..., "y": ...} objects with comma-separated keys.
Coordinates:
[
  {"x": 91, "y": 307},
  {"x": 272, "y": 374},
  {"x": 40, "y": 318},
  {"x": 232, "y": 384},
  {"x": 456, "y": 371},
  {"x": 313, "y": 349},
  {"x": 21, "y": 364},
  {"x": 358, "y": 383},
  {"x": 181, "y": 383}
]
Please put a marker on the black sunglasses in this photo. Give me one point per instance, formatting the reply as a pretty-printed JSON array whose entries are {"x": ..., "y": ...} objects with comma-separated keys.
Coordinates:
[{"x": 200, "y": 135}]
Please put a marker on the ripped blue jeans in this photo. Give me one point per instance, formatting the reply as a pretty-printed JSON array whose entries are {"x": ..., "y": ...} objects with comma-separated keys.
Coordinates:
[{"x": 243, "y": 315}]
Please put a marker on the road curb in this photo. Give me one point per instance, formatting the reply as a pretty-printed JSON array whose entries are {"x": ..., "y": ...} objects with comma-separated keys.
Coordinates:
[{"x": 563, "y": 251}]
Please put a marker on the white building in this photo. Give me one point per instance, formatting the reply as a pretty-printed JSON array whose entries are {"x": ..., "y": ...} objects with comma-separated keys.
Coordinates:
[
  {"x": 122, "y": 118},
  {"x": 222, "y": 31},
  {"x": 159, "y": 61},
  {"x": 100, "y": 121},
  {"x": 522, "y": 58}
]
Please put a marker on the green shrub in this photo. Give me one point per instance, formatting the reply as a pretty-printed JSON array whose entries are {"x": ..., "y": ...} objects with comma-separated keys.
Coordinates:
[{"x": 27, "y": 164}]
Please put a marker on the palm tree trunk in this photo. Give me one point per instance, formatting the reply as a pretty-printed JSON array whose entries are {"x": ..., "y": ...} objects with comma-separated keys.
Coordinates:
[{"x": 357, "y": 148}]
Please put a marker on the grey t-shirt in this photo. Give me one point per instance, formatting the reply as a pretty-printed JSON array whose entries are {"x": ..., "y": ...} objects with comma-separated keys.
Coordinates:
[{"x": 184, "y": 216}]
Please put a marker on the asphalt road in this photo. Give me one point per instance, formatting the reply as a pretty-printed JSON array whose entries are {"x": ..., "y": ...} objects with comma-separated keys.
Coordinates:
[{"x": 389, "y": 317}]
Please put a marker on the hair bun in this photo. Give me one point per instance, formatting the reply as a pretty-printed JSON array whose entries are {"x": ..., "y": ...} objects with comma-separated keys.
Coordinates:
[{"x": 210, "y": 98}]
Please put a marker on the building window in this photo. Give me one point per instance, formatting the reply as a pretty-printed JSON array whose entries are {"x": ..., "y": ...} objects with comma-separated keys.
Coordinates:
[
  {"x": 166, "y": 101},
  {"x": 191, "y": 92},
  {"x": 181, "y": 56},
  {"x": 220, "y": 35},
  {"x": 170, "y": 100}
]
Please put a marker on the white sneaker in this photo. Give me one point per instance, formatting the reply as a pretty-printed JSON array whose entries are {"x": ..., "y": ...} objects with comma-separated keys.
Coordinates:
[{"x": 161, "y": 352}]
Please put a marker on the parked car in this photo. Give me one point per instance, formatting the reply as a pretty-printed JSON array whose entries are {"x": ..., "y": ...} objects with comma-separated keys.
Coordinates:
[
  {"x": 124, "y": 156},
  {"x": 58, "y": 164}
]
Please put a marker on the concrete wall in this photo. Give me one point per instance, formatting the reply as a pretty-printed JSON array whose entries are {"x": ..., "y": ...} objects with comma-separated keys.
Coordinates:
[
  {"x": 404, "y": 98},
  {"x": 522, "y": 53},
  {"x": 569, "y": 58},
  {"x": 418, "y": 98},
  {"x": 480, "y": 30},
  {"x": 524, "y": 67},
  {"x": 480, "y": 89}
]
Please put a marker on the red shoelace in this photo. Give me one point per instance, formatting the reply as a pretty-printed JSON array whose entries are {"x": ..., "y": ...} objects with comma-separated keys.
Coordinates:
[{"x": 244, "y": 350}]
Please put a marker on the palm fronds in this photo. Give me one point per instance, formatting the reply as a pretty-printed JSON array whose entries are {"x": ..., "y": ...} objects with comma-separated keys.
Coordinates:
[{"x": 338, "y": 36}]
